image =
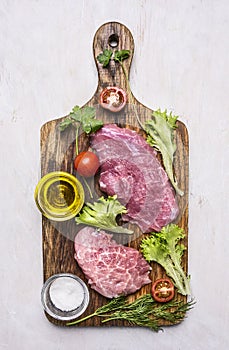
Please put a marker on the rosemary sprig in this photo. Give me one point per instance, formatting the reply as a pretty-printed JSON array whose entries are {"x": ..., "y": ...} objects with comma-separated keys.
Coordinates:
[
  {"x": 143, "y": 312},
  {"x": 113, "y": 305},
  {"x": 174, "y": 311},
  {"x": 137, "y": 313}
]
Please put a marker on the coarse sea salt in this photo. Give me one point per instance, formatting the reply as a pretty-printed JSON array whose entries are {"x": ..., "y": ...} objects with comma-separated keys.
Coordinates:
[{"x": 66, "y": 293}]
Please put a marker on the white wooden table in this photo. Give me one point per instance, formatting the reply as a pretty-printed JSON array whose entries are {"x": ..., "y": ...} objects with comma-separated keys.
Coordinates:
[{"x": 181, "y": 63}]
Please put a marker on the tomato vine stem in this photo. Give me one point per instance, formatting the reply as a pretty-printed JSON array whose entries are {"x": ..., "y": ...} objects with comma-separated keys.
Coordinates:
[
  {"x": 76, "y": 153},
  {"x": 88, "y": 187},
  {"x": 77, "y": 135}
]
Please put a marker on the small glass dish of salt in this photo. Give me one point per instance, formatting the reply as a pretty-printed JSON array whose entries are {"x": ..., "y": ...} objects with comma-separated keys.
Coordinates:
[{"x": 64, "y": 296}]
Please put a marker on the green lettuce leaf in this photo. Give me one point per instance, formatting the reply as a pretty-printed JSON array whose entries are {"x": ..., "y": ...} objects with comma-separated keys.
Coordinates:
[
  {"x": 160, "y": 135},
  {"x": 165, "y": 248},
  {"x": 102, "y": 214}
]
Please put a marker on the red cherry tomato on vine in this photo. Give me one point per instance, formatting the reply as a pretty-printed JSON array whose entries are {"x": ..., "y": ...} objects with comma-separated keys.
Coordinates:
[
  {"x": 163, "y": 290},
  {"x": 113, "y": 98},
  {"x": 86, "y": 164}
]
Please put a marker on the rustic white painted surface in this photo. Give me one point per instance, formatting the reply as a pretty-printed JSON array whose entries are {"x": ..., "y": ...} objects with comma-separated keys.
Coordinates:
[{"x": 46, "y": 67}]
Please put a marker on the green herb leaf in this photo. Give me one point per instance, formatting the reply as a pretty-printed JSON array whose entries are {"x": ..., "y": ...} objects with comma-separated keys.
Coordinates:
[
  {"x": 86, "y": 116},
  {"x": 160, "y": 136},
  {"x": 90, "y": 125},
  {"x": 75, "y": 109},
  {"x": 104, "y": 57},
  {"x": 164, "y": 248},
  {"x": 87, "y": 112},
  {"x": 121, "y": 55},
  {"x": 102, "y": 214},
  {"x": 65, "y": 124},
  {"x": 80, "y": 114},
  {"x": 76, "y": 114}
]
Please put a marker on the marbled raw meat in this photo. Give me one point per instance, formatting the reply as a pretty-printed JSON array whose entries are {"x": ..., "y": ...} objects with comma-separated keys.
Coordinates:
[{"x": 111, "y": 268}]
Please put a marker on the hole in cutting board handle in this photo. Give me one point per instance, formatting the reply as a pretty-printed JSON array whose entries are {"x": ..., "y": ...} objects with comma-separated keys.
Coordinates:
[{"x": 113, "y": 40}]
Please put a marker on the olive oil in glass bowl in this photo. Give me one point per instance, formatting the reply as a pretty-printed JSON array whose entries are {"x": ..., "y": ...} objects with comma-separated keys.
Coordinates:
[{"x": 59, "y": 196}]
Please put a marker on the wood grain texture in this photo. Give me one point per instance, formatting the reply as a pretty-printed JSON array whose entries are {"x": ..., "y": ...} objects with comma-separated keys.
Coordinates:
[{"x": 57, "y": 153}]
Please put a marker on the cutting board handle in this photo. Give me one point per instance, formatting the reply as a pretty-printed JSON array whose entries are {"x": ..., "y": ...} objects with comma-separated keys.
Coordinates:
[{"x": 113, "y": 36}]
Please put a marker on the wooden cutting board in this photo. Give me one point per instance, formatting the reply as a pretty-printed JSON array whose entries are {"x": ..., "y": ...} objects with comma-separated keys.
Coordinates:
[{"x": 57, "y": 153}]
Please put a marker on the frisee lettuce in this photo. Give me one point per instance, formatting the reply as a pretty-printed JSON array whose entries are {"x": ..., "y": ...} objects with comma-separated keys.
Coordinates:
[
  {"x": 102, "y": 214},
  {"x": 160, "y": 135},
  {"x": 165, "y": 249}
]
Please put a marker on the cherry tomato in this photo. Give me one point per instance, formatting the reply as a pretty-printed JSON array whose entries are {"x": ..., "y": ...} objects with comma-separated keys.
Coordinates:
[
  {"x": 163, "y": 290},
  {"x": 86, "y": 164},
  {"x": 113, "y": 98}
]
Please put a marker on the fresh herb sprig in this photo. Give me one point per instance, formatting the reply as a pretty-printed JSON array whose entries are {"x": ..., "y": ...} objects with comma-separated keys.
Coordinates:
[
  {"x": 113, "y": 305},
  {"x": 138, "y": 312},
  {"x": 83, "y": 117},
  {"x": 107, "y": 55},
  {"x": 143, "y": 312}
]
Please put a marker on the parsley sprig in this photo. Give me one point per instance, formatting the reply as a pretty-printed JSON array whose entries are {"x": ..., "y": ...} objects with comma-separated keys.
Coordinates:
[
  {"x": 83, "y": 117},
  {"x": 107, "y": 55}
]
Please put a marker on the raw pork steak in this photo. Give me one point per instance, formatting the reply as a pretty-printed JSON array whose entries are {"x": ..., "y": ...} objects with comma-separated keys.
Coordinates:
[
  {"x": 111, "y": 269},
  {"x": 130, "y": 169}
]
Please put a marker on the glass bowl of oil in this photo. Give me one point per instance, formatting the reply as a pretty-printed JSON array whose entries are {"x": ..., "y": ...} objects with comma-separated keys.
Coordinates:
[{"x": 59, "y": 196}]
